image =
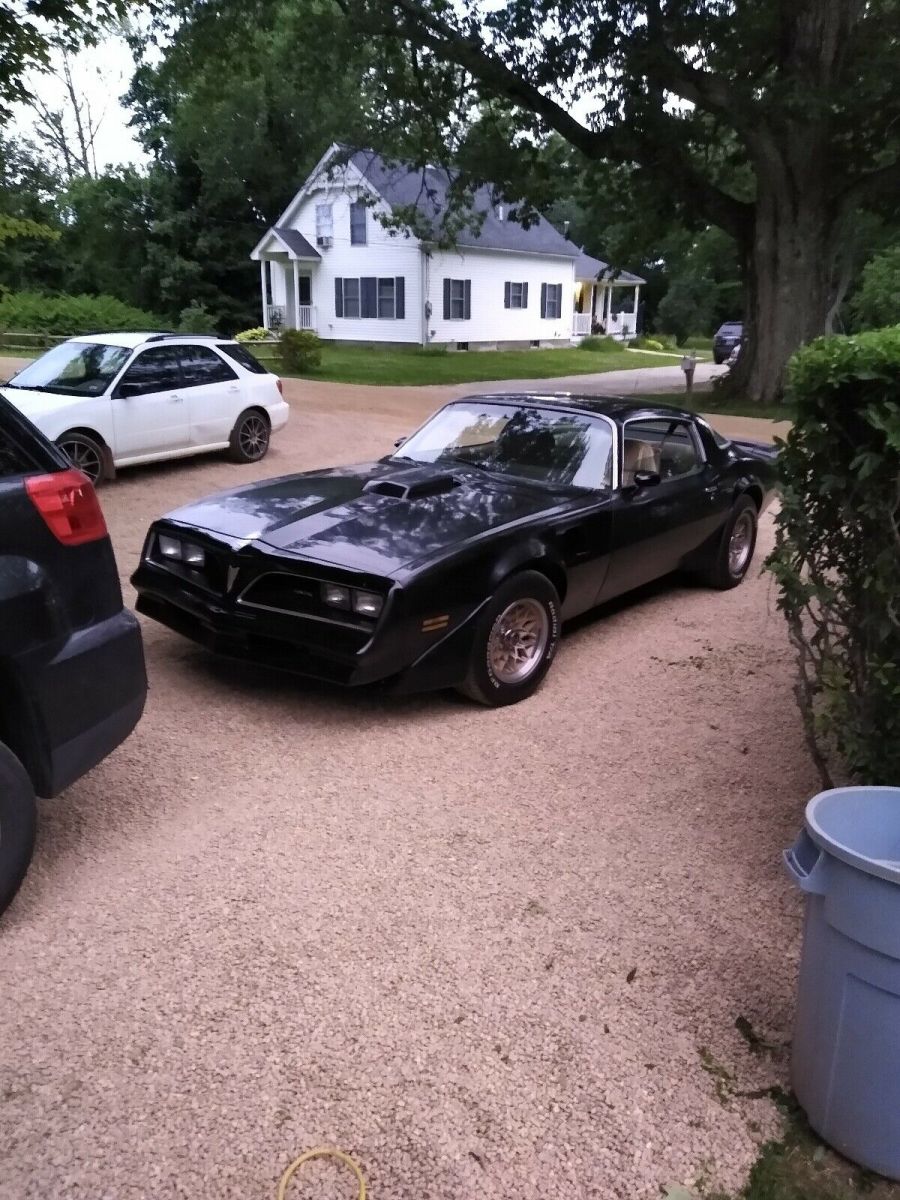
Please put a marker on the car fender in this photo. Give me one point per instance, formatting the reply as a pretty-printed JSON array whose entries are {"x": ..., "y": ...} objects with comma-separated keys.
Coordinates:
[{"x": 532, "y": 553}]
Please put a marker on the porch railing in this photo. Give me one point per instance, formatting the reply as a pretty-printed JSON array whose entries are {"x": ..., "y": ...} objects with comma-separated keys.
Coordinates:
[
  {"x": 275, "y": 317},
  {"x": 279, "y": 317},
  {"x": 307, "y": 317},
  {"x": 581, "y": 324}
]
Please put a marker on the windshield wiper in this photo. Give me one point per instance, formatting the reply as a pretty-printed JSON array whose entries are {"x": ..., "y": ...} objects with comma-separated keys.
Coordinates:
[{"x": 467, "y": 462}]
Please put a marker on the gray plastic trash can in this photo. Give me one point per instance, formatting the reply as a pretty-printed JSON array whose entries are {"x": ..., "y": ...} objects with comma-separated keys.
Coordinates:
[{"x": 845, "y": 1061}]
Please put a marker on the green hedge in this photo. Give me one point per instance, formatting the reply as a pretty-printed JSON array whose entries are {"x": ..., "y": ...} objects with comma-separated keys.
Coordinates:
[
  {"x": 36, "y": 312},
  {"x": 300, "y": 351},
  {"x": 837, "y": 555},
  {"x": 600, "y": 344}
]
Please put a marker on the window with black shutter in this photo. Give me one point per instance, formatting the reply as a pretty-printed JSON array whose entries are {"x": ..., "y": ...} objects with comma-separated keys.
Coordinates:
[
  {"x": 457, "y": 299},
  {"x": 370, "y": 297},
  {"x": 515, "y": 295},
  {"x": 351, "y": 298},
  {"x": 551, "y": 301}
]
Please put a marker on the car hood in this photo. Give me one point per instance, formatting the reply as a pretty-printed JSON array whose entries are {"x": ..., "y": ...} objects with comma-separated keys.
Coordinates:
[
  {"x": 377, "y": 517},
  {"x": 38, "y": 404}
]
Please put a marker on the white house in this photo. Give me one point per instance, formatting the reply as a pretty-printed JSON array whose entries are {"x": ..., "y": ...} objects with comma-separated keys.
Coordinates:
[{"x": 331, "y": 265}]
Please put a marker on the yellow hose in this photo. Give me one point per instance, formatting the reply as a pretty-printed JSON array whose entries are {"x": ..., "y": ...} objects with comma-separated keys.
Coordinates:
[{"x": 322, "y": 1152}]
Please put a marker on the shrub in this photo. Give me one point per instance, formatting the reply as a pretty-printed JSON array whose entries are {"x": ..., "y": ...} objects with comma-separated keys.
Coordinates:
[
  {"x": 37, "y": 312},
  {"x": 877, "y": 300},
  {"x": 837, "y": 553},
  {"x": 195, "y": 319},
  {"x": 257, "y": 334},
  {"x": 301, "y": 350},
  {"x": 646, "y": 343},
  {"x": 599, "y": 344}
]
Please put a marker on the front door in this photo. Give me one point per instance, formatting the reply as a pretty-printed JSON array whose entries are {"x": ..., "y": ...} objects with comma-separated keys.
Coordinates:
[{"x": 150, "y": 414}]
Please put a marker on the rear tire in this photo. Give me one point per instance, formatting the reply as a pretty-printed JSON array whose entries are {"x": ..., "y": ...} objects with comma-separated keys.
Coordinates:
[
  {"x": 731, "y": 556},
  {"x": 18, "y": 822},
  {"x": 85, "y": 453},
  {"x": 249, "y": 440},
  {"x": 516, "y": 637}
]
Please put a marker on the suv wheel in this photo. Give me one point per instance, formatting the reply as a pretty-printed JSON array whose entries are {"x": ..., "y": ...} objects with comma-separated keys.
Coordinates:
[{"x": 18, "y": 820}]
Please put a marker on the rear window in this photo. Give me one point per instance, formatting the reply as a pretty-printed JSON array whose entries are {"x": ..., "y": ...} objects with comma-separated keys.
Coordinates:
[
  {"x": 242, "y": 357},
  {"x": 15, "y": 457},
  {"x": 732, "y": 328}
]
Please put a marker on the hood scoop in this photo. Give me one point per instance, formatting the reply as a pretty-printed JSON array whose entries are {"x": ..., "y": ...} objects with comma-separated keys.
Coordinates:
[{"x": 417, "y": 487}]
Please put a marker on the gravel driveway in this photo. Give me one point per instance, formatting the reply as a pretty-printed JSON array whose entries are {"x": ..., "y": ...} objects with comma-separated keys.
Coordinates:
[{"x": 493, "y": 954}]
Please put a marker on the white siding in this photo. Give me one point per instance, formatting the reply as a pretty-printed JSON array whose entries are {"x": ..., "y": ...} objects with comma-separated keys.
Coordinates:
[
  {"x": 490, "y": 321},
  {"x": 384, "y": 256}
]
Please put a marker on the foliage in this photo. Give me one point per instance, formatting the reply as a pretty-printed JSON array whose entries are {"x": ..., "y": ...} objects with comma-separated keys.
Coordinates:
[
  {"x": 195, "y": 319},
  {"x": 38, "y": 312},
  {"x": 648, "y": 343},
  {"x": 300, "y": 351},
  {"x": 837, "y": 555},
  {"x": 600, "y": 344},
  {"x": 877, "y": 300},
  {"x": 773, "y": 122},
  {"x": 257, "y": 334}
]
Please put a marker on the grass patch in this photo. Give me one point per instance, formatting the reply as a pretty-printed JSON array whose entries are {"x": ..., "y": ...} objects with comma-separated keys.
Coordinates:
[
  {"x": 403, "y": 367},
  {"x": 707, "y": 400}
]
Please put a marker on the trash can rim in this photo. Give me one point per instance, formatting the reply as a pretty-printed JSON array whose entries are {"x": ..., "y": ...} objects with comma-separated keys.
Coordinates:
[{"x": 888, "y": 869}]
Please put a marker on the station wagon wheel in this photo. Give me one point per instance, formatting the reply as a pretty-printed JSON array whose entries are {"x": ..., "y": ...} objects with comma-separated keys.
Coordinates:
[
  {"x": 84, "y": 453},
  {"x": 730, "y": 555},
  {"x": 515, "y": 638},
  {"x": 249, "y": 441}
]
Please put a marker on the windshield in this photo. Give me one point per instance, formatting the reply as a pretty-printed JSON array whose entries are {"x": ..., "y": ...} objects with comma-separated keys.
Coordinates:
[
  {"x": 74, "y": 369},
  {"x": 560, "y": 448}
]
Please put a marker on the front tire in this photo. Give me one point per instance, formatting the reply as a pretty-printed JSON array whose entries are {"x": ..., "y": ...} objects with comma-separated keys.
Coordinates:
[
  {"x": 249, "y": 440},
  {"x": 730, "y": 559},
  {"x": 85, "y": 453},
  {"x": 516, "y": 638},
  {"x": 18, "y": 822}
]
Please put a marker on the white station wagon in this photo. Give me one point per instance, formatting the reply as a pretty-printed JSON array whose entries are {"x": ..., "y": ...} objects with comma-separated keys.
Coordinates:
[{"x": 116, "y": 399}]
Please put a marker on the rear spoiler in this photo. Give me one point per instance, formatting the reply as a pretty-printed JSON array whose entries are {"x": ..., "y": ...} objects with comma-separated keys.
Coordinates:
[{"x": 762, "y": 449}]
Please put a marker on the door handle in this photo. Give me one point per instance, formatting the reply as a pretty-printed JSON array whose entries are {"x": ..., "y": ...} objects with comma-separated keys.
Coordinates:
[
  {"x": 174, "y": 398},
  {"x": 234, "y": 388}
]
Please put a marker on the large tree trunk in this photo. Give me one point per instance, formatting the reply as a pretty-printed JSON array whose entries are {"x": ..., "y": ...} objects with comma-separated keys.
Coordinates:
[{"x": 788, "y": 287}]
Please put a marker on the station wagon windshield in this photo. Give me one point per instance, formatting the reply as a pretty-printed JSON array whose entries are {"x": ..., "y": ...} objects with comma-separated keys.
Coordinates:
[
  {"x": 547, "y": 446},
  {"x": 74, "y": 369}
]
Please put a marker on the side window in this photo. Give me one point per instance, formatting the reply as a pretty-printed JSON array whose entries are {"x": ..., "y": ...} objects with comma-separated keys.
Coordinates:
[
  {"x": 358, "y": 223},
  {"x": 667, "y": 447},
  {"x": 201, "y": 365},
  {"x": 156, "y": 370},
  {"x": 244, "y": 358}
]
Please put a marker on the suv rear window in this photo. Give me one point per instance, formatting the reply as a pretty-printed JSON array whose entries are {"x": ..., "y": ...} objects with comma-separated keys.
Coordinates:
[
  {"x": 15, "y": 457},
  {"x": 242, "y": 357}
]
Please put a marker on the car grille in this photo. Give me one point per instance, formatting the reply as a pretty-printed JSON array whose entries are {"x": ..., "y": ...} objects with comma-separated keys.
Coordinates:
[{"x": 298, "y": 595}]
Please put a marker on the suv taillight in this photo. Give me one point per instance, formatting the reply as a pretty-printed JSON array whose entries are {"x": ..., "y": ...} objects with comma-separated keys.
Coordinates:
[{"x": 68, "y": 503}]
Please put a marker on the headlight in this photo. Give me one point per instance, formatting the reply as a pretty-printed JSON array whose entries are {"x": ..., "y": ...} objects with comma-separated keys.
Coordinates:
[
  {"x": 169, "y": 547},
  {"x": 192, "y": 555},
  {"x": 367, "y": 604},
  {"x": 335, "y": 595}
]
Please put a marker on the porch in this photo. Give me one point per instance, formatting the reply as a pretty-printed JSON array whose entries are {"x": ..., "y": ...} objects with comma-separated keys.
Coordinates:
[
  {"x": 287, "y": 264},
  {"x": 605, "y": 301}
]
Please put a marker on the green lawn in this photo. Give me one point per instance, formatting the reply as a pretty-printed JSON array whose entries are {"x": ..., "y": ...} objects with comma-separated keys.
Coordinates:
[
  {"x": 343, "y": 363},
  {"x": 707, "y": 400}
]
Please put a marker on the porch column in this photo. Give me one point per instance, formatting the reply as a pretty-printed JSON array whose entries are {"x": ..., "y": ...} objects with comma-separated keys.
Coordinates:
[
  {"x": 297, "y": 324},
  {"x": 636, "y": 293},
  {"x": 263, "y": 288},
  {"x": 607, "y": 306}
]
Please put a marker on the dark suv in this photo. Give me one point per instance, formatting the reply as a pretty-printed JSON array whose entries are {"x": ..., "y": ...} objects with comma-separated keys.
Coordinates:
[
  {"x": 727, "y": 337},
  {"x": 72, "y": 681}
]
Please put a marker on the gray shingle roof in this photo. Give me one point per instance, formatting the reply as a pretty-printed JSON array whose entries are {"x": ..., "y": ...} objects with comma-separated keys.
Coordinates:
[
  {"x": 427, "y": 190},
  {"x": 592, "y": 268},
  {"x": 296, "y": 242}
]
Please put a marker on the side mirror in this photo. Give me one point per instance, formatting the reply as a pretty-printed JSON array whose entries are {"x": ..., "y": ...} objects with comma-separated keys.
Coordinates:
[
  {"x": 399, "y": 442},
  {"x": 644, "y": 479},
  {"x": 126, "y": 389}
]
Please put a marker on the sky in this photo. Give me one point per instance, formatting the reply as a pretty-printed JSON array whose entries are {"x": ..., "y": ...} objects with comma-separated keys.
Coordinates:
[{"x": 102, "y": 74}]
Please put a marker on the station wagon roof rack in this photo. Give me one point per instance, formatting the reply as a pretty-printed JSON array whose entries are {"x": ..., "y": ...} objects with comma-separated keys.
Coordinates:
[{"x": 161, "y": 337}]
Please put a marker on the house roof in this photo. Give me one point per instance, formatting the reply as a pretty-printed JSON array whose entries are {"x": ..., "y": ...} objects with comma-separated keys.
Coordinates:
[
  {"x": 296, "y": 242},
  {"x": 427, "y": 189},
  {"x": 592, "y": 268}
]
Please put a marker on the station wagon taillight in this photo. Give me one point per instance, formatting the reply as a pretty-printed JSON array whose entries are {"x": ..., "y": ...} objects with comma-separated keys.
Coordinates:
[
  {"x": 68, "y": 503},
  {"x": 280, "y": 386}
]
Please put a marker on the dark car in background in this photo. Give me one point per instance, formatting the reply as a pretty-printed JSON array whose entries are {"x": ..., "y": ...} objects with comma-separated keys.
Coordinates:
[
  {"x": 72, "y": 680},
  {"x": 454, "y": 561},
  {"x": 726, "y": 338}
]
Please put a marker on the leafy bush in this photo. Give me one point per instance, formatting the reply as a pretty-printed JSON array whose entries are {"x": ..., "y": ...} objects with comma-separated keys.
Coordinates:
[
  {"x": 257, "y": 334},
  {"x": 647, "y": 343},
  {"x": 877, "y": 300},
  {"x": 837, "y": 554},
  {"x": 37, "y": 312},
  {"x": 195, "y": 319},
  {"x": 599, "y": 344},
  {"x": 301, "y": 350}
]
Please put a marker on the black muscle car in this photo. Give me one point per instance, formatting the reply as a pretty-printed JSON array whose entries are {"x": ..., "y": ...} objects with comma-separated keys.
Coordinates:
[{"x": 454, "y": 561}]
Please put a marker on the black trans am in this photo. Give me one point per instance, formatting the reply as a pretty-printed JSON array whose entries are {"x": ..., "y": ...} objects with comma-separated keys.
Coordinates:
[{"x": 454, "y": 561}]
